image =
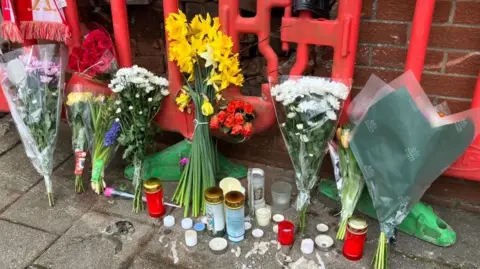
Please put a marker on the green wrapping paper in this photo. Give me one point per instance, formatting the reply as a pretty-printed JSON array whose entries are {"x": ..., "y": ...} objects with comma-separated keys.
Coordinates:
[{"x": 401, "y": 154}]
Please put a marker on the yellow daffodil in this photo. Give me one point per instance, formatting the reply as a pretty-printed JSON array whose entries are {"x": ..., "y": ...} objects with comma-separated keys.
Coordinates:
[
  {"x": 207, "y": 108},
  {"x": 198, "y": 45},
  {"x": 182, "y": 101},
  {"x": 208, "y": 56},
  {"x": 76, "y": 97},
  {"x": 200, "y": 26},
  {"x": 176, "y": 26}
]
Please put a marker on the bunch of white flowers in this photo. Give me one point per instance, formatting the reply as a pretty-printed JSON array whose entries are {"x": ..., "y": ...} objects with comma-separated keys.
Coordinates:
[{"x": 139, "y": 78}]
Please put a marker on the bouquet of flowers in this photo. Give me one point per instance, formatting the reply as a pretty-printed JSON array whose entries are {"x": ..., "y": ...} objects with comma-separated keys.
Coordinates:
[
  {"x": 77, "y": 111},
  {"x": 204, "y": 54},
  {"x": 93, "y": 63},
  {"x": 234, "y": 120},
  {"x": 33, "y": 87},
  {"x": 139, "y": 96},
  {"x": 351, "y": 179},
  {"x": 307, "y": 110},
  {"x": 402, "y": 145},
  {"x": 105, "y": 130}
]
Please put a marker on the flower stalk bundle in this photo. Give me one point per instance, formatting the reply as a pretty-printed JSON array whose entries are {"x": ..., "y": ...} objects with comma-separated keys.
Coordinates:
[
  {"x": 204, "y": 55},
  {"x": 351, "y": 179},
  {"x": 33, "y": 87},
  {"x": 307, "y": 110},
  {"x": 139, "y": 94}
]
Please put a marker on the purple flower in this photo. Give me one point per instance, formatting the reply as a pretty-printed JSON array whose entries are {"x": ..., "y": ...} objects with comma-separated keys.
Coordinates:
[
  {"x": 112, "y": 134},
  {"x": 184, "y": 161},
  {"x": 45, "y": 79}
]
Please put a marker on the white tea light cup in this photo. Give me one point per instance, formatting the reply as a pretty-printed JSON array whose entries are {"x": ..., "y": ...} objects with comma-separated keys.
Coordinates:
[
  {"x": 191, "y": 238},
  {"x": 307, "y": 246}
]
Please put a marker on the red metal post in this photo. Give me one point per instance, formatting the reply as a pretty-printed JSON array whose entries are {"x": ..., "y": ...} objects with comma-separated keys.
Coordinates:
[
  {"x": 71, "y": 14},
  {"x": 121, "y": 32},
  {"x": 422, "y": 22}
]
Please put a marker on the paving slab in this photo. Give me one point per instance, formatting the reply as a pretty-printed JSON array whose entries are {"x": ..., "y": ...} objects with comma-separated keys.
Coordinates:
[
  {"x": 90, "y": 244},
  {"x": 20, "y": 245},
  {"x": 32, "y": 210},
  {"x": 140, "y": 263},
  {"x": 8, "y": 134}
]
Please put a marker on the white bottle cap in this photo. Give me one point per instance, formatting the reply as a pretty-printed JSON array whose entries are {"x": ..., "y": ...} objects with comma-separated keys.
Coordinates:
[
  {"x": 307, "y": 246},
  {"x": 187, "y": 223},
  {"x": 169, "y": 221},
  {"x": 257, "y": 233},
  {"x": 248, "y": 226},
  {"x": 191, "y": 238},
  {"x": 321, "y": 227}
]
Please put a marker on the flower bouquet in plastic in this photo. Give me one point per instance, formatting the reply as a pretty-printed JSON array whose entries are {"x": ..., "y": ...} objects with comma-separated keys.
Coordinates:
[
  {"x": 402, "y": 145},
  {"x": 307, "y": 110},
  {"x": 32, "y": 81},
  {"x": 93, "y": 65},
  {"x": 139, "y": 95}
]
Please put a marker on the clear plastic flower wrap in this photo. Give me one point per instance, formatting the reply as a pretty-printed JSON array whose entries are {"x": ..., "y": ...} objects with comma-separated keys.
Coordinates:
[
  {"x": 307, "y": 110},
  {"x": 402, "y": 145},
  {"x": 32, "y": 81}
]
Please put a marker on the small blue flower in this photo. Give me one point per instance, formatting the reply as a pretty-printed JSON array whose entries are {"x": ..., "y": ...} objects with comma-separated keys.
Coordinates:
[{"x": 112, "y": 134}]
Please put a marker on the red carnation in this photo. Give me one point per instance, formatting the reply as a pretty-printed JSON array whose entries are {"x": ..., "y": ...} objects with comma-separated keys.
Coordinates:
[
  {"x": 229, "y": 121},
  {"x": 239, "y": 119},
  {"x": 248, "y": 108},
  {"x": 237, "y": 129},
  {"x": 221, "y": 116},
  {"x": 238, "y": 104},
  {"x": 214, "y": 123},
  {"x": 247, "y": 129},
  {"x": 231, "y": 108}
]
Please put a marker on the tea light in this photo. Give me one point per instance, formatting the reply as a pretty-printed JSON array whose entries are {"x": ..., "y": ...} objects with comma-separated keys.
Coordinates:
[
  {"x": 323, "y": 242},
  {"x": 277, "y": 218},
  {"x": 323, "y": 228},
  {"x": 257, "y": 233},
  {"x": 187, "y": 223},
  {"x": 191, "y": 238},
  {"x": 307, "y": 246},
  {"x": 218, "y": 245},
  {"x": 199, "y": 227},
  {"x": 169, "y": 221},
  {"x": 248, "y": 226}
]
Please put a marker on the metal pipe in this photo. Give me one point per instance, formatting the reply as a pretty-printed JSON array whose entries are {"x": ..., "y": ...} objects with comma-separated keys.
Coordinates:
[
  {"x": 121, "y": 32},
  {"x": 476, "y": 94},
  {"x": 422, "y": 22},
  {"x": 71, "y": 14}
]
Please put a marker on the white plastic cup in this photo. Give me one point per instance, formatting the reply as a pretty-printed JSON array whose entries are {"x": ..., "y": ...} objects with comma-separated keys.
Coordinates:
[
  {"x": 191, "y": 238},
  {"x": 263, "y": 216},
  {"x": 169, "y": 221}
]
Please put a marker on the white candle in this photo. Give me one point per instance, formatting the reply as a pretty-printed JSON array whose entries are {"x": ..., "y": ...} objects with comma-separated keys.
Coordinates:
[
  {"x": 257, "y": 233},
  {"x": 307, "y": 246},
  {"x": 263, "y": 216},
  {"x": 187, "y": 223},
  {"x": 191, "y": 238},
  {"x": 323, "y": 228},
  {"x": 168, "y": 221}
]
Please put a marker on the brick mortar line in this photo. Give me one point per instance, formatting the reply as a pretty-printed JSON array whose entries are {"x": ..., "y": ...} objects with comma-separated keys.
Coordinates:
[
  {"x": 451, "y": 15},
  {"x": 387, "y": 45},
  {"x": 424, "y": 71},
  {"x": 446, "y": 24},
  {"x": 374, "y": 9},
  {"x": 33, "y": 186},
  {"x": 444, "y": 63},
  {"x": 453, "y": 98},
  {"x": 458, "y": 25}
]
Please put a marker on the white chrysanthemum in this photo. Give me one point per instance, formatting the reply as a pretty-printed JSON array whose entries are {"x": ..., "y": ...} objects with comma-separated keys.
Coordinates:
[
  {"x": 34, "y": 101},
  {"x": 159, "y": 81},
  {"x": 297, "y": 134},
  {"x": 140, "y": 112},
  {"x": 165, "y": 92},
  {"x": 291, "y": 115},
  {"x": 310, "y": 155},
  {"x": 130, "y": 108},
  {"x": 118, "y": 111},
  {"x": 137, "y": 95},
  {"x": 150, "y": 99},
  {"x": 333, "y": 101},
  {"x": 138, "y": 80},
  {"x": 117, "y": 120},
  {"x": 300, "y": 126},
  {"x": 148, "y": 89},
  {"x": 331, "y": 115},
  {"x": 118, "y": 102},
  {"x": 310, "y": 123}
]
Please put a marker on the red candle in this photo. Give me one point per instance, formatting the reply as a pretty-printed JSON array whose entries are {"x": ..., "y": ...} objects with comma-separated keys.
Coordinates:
[
  {"x": 286, "y": 233},
  {"x": 154, "y": 194},
  {"x": 355, "y": 238}
]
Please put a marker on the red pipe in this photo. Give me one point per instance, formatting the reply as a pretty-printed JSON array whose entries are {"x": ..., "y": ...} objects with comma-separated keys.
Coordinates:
[
  {"x": 301, "y": 63},
  {"x": 476, "y": 95},
  {"x": 422, "y": 22},
  {"x": 121, "y": 32},
  {"x": 71, "y": 14}
]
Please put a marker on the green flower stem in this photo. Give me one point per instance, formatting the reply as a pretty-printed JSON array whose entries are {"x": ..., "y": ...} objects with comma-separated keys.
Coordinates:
[
  {"x": 380, "y": 260},
  {"x": 79, "y": 184},
  {"x": 138, "y": 181}
]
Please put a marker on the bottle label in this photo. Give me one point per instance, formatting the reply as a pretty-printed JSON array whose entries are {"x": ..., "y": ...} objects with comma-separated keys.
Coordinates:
[
  {"x": 80, "y": 157},
  {"x": 258, "y": 194},
  {"x": 215, "y": 219},
  {"x": 235, "y": 224}
]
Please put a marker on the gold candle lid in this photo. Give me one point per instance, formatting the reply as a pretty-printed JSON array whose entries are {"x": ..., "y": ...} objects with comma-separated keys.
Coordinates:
[
  {"x": 152, "y": 185},
  {"x": 234, "y": 200},
  {"x": 214, "y": 195}
]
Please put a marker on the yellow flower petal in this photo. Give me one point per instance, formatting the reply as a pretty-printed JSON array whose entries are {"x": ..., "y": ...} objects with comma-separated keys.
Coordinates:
[{"x": 207, "y": 108}]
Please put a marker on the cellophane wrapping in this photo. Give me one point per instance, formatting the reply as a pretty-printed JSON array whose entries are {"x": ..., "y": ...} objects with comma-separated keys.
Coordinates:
[{"x": 33, "y": 82}]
